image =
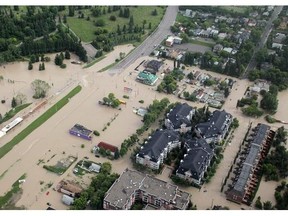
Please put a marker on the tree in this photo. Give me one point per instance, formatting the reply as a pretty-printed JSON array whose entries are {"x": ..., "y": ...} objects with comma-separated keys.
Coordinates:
[
  {"x": 40, "y": 67},
  {"x": 116, "y": 154},
  {"x": 58, "y": 60},
  {"x": 71, "y": 11},
  {"x": 112, "y": 18},
  {"x": 40, "y": 88},
  {"x": 64, "y": 18},
  {"x": 20, "y": 98},
  {"x": 131, "y": 21},
  {"x": 106, "y": 168},
  {"x": 154, "y": 12},
  {"x": 81, "y": 202},
  {"x": 150, "y": 25},
  {"x": 67, "y": 54},
  {"x": 30, "y": 66},
  {"x": 13, "y": 102},
  {"x": 100, "y": 22},
  {"x": 269, "y": 102},
  {"x": 258, "y": 203},
  {"x": 190, "y": 76},
  {"x": 267, "y": 205},
  {"x": 43, "y": 66}
]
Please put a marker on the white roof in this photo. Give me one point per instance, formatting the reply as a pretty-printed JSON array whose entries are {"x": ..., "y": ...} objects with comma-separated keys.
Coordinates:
[
  {"x": 95, "y": 167},
  {"x": 12, "y": 124},
  {"x": 2, "y": 134},
  {"x": 67, "y": 200},
  {"x": 170, "y": 39},
  {"x": 228, "y": 49}
]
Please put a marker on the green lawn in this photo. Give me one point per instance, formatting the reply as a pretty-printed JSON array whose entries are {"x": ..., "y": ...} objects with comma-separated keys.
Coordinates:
[
  {"x": 202, "y": 43},
  {"x": 13, "y": 112},
  {"x": 38, "y": 122},
  {"x": 85, "y": 29},
  {"x": 15, "y": 189},
  {"x": 238, "y": 9}
]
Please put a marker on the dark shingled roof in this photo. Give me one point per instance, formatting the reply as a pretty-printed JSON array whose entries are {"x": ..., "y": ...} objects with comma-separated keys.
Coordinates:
[
  {"x": 179, "y": 114},
  {"x": 199, "y": 153},
  {"x": 259, "y": 137},
  {"x": 215, "y": 124},
  {"x": 156, "y": 144},
  {"x": 154, "y": 64}
]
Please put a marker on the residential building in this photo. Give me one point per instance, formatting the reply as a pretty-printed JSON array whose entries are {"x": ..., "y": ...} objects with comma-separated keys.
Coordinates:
[
  {"x": 188, "y": 13},
  {"x": 279, "y": 38},
  {"x": 67, "y": 200},
  {"x": 80, "y": 131},
  {"x": 277, "y": 46},
  {"x": 108, "y": 147},
  {"x": 155, "y": 150},
  {"x": 216, "y": 128},
  {"x": 177, "y": 40},
  {"x": 169, "y": 41},
  {"x": 217, "y": 48},
  {"x": 133, "y": 185},
  {"x": 246, "y": 179},
  {"x": 222, "y": 36},
  {"x": 195, "y": 163},
  {"x": 69, "y": 188},
  {"x": 94, "y": 168},
  {"x": 147, "y": 78},
  {"x": 179, "y": 118},
  {"x": 154, "y": 65}
]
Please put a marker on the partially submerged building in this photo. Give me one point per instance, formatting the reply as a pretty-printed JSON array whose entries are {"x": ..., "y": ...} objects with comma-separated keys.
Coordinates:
[
  {"x": 245, "y": 182},
  {"x": 80, "y": 131},
  {"x": 108, "y": 147},
  {"x": 155, "y": 150},
  {"x": 133, "y": 185},
  {"x": 179, "y": 118},
  {"x": 147, "y": 78},
  {"x": 69, "y": 188},
  {"x": 195, "y": 163},
  {"x": 216, "y": 128}
]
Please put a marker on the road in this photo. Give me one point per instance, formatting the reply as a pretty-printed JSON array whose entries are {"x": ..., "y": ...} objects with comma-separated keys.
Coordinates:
[
  {"x": 148, "y": 44},
  {"x": 263, "y": 40}
]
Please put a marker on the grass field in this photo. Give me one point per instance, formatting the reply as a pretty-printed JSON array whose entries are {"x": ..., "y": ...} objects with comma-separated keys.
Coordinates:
[
  {"x": 15, "y": 189},
  {"x": 13, "y": 112},
  {"x": 85, "y": 29},
  {"x": 202, "y": 43},
  {"x": 238, "y": 9},
  {"x": 38, "y": 122}
]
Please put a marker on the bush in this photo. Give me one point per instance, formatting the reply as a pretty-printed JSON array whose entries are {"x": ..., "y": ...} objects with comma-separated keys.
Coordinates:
[
  {"x": 112, "y": 18},
  {"x": 100, "y": 23},
  {"x": 96, "y": 133},
  {"x": 82, "y": 145},
  {"x": 126, "y": 96},
  {"x": 63, "y": 66},
  {"x": 141, "y": 101}
]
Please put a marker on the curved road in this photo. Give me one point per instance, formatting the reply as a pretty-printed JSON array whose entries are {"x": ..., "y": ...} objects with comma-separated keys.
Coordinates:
[{"x": 155, "y": 38}]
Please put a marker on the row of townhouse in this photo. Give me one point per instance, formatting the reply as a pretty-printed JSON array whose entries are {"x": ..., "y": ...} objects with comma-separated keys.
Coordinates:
[{"x": 199, "y": 153}]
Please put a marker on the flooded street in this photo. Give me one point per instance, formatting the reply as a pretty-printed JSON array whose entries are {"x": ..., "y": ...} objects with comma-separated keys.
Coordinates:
[{"x": 52, "y": 142}]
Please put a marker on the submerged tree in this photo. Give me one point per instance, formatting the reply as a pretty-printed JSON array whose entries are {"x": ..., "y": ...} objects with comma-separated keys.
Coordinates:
[{"x": 40, "y": 88}]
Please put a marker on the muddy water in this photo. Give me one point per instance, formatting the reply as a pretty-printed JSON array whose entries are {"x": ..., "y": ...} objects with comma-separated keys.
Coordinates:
[{"x": 54, "y": 139}]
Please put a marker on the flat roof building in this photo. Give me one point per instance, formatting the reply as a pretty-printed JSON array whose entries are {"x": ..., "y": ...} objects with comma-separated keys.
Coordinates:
[
  {"x": 133, "y": 185},
  {"x": 80, "y": 131}
]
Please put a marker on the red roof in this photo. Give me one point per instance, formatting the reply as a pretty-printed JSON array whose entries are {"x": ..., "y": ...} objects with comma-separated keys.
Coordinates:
[{"x": 107, "y": 146}]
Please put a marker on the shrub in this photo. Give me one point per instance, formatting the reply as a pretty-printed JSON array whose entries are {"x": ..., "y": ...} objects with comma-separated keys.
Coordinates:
[
  {"x": 63, "y": 66},
  {"x": 112, "y": 18},
  {"x": 141, "y": 101},
  {"x": 126, "y": 96},
  {"x": 82, "y": 145},
  {"x": 96, "y": 133}
]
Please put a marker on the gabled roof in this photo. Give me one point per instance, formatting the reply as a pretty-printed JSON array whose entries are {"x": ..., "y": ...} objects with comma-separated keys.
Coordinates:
[
  {"x": 196, "y": 158},
  {"x": 179, "y": 114},
  {"x": 215, "y": 124},
  {"x": 107, "y": 146},
  {"x": 156, "y": 144}
]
